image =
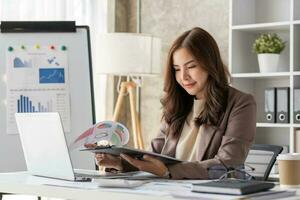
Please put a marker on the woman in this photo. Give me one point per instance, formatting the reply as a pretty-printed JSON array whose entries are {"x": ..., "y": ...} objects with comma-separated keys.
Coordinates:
[{"x": 205, "y": 122}]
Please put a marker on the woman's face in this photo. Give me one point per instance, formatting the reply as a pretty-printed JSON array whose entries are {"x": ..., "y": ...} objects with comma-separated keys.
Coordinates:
[{"x": 189, "y": 73}]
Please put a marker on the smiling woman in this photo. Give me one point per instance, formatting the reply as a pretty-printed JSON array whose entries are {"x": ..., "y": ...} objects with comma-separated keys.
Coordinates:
[
  {"x": 205, "y": 122},
  {"x": 195, "y": 70},
  {"x": 189, "y": 73}
]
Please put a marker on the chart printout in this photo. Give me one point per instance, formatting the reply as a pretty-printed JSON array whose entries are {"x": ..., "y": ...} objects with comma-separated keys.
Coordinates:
[{"x": 37, "y": 81}]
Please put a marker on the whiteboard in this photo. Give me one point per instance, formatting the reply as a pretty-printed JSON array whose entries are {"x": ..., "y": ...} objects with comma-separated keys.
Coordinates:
[{"x": 82, "y": 112}]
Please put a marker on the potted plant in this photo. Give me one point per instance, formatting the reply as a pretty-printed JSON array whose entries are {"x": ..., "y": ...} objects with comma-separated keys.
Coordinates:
[{"x": 268, "y": 48}]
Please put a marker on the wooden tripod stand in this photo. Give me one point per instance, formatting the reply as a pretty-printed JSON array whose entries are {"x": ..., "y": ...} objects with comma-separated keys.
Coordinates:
[{"x": 130, "y": 87}]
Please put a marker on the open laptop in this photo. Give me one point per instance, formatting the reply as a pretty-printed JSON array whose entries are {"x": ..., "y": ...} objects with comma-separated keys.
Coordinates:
[{"x": 45, "y": 147}]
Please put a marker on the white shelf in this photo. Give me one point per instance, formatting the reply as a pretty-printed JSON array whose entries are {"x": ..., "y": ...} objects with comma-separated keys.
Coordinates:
[
  {"x": 261, "y": 11},
  {"x": 262, "y": 75},
  {"x": 297, "y": 22},
  {"x": 278, "y": 26},
  {"x": 248, "y": 19},
  {"x": 243, "y": 60},
  {"x": 273, "y": 125},
  {"x": 277, "y": 125},
  {"x": 296, "y": 125},
  {"x": 296, "y": 73}
]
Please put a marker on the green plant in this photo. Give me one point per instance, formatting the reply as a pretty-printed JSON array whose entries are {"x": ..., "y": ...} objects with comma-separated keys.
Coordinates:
[{"x": 268, "y": 43}]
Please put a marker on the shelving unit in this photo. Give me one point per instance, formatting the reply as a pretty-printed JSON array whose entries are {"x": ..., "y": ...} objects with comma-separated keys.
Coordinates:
[{"x": 248, "y": 19}]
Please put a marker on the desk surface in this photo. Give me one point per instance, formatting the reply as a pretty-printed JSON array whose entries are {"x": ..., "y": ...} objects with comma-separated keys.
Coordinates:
[{"x": 22, "y": 183}]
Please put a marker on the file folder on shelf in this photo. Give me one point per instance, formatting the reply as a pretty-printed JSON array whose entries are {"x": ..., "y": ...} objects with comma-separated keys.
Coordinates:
[
  {"x": 297, "y": 105},
  {"x": 270, "y": 105},
  {"x": 282, "y": 104}
]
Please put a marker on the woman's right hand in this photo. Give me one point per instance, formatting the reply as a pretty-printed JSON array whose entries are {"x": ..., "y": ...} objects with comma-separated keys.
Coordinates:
[
  {"x": 106, "y": 160},
  {"x": 109, "y": 161}
]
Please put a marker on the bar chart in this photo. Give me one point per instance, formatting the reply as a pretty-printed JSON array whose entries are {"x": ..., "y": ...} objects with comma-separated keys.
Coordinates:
[
  {"x": 34, "y": 100},
  {"x": 25, "y": 104}
]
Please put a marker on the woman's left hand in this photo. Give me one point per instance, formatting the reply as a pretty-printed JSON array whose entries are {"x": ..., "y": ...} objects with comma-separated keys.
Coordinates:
[{"x": 148, "y": 164}]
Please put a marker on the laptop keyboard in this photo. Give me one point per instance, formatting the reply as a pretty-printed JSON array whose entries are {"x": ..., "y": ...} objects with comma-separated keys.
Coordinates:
[
  {"x": 87, "y": 173},
  {"x": 96, "y": 174}
]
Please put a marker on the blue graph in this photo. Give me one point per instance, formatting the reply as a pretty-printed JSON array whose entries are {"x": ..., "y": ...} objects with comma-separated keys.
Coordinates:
[
  {"x": 25, "y": 105},
  {"x": 18, "y": 63},
  {"x": 52, "y": 75}
]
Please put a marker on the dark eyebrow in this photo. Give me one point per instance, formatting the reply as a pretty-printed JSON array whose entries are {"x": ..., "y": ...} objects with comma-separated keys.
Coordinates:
[{"x": 188, "y": 62}]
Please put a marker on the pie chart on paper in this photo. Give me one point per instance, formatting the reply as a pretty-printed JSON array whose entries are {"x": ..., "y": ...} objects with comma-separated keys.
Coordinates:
[{"x": 114, "y": 133}]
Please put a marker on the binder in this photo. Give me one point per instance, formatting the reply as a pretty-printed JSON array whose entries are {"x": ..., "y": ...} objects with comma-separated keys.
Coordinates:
[
  {"x": 270, "y": 105},
  {"x": 282, "y": 104},
  {"x": 297, "y": 105}
]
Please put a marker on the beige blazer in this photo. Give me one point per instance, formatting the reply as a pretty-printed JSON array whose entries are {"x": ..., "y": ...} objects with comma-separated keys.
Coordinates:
[{"x": 227, "y": 144}]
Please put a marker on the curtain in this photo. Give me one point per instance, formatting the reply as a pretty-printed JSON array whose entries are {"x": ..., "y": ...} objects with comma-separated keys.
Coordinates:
[{"x": 93, "y": 13}]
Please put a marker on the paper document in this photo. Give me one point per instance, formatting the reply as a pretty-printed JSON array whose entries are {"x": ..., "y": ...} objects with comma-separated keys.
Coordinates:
[
  {"x": 119, "y": 183},
  {"x": 37, "y": 81},
  {"x": 113, "y": 132}
]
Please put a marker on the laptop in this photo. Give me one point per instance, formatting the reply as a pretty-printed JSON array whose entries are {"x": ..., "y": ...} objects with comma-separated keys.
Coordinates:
[{"x": 45, "y": 147}]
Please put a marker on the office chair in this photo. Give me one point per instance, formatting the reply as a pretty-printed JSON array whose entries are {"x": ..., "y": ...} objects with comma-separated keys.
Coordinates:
[{"x": 267, "y": 151}]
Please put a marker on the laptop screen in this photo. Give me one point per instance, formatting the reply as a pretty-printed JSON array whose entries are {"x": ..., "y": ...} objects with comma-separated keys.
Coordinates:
[{"x": 44, "y": 145}]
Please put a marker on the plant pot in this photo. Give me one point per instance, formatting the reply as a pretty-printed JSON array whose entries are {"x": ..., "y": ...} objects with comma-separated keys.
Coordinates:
[{"x": 268, "y": 62}]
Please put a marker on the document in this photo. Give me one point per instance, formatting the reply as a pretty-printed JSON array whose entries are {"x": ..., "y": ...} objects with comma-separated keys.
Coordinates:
[
  {"x": 136, "y": 153},
  {"x": 119, "y": 183},
  {"x": 114, "y": 133},
  {"x": 37, "y": 81}
]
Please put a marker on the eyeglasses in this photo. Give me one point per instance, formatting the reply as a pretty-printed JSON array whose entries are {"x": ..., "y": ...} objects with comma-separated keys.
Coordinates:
[
  {"x": 237, "y": 174},
  {"x": 240, "y": 172}
]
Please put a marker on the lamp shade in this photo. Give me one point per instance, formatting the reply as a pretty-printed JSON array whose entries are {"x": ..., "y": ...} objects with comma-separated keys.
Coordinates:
[{"x": 128, "y": 54}]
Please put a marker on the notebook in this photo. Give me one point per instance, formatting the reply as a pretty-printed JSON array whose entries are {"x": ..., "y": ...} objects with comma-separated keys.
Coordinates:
[
  {"x": 136, "y": 153},
  {"x": 232, "y": 186},
  {"x": 45, "y": 148}
]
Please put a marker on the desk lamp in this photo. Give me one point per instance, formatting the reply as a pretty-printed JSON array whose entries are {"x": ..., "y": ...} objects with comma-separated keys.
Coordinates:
[{"x": 132, "y": 55}]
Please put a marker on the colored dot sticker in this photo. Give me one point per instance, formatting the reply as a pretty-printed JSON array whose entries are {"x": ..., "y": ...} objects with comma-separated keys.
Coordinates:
[
  {"x": 23, "y": 47},
  {"x": 37, "y": 46},
  {"x": 10, "y": 48},
  {"x": 63, "y": 48},
  {"x": 52, "y": 47}
]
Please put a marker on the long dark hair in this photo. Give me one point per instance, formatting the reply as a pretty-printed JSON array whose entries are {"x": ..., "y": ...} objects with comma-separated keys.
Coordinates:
[{"x": 176, "y": 102}]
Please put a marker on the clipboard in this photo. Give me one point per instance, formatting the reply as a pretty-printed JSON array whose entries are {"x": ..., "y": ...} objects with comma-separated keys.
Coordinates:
[{"x": 135, "y": 153}]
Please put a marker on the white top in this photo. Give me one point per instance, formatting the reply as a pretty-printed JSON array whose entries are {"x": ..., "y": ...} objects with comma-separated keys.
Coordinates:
[{"x": 188, "y": 145}]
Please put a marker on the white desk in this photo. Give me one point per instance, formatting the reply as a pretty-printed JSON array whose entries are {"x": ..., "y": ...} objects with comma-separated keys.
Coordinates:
[{"x": 22, "y": 183}]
